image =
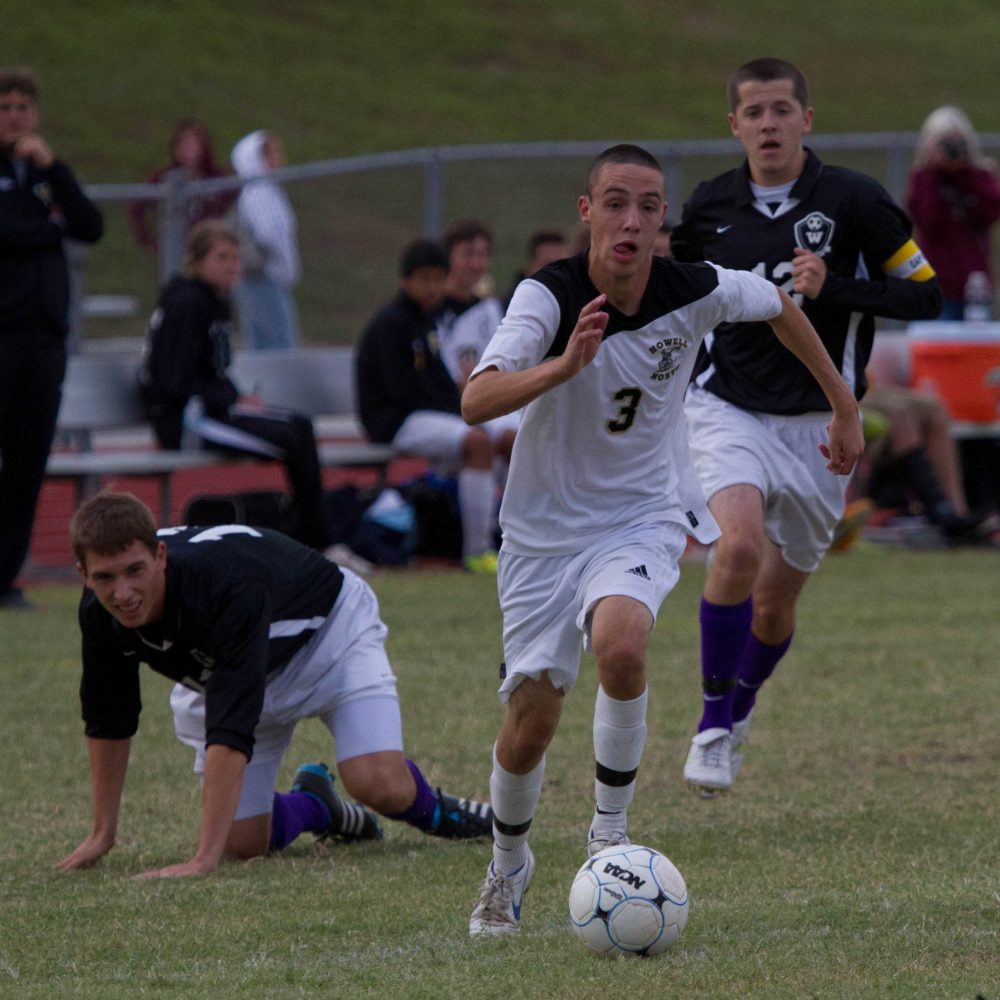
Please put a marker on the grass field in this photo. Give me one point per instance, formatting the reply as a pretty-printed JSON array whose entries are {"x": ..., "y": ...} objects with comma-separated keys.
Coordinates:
[{"x": 857, "y": 857}]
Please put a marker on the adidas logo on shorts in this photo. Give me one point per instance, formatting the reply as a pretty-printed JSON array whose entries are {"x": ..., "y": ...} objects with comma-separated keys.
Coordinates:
[{"x": 639, "y": 571}]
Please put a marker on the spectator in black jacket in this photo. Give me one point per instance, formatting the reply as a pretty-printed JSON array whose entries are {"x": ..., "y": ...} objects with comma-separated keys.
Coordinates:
[
  {"x": 41, "y": 204},
  {"x": 408, "y": 398},
  {"x": 189, "y": 396}
]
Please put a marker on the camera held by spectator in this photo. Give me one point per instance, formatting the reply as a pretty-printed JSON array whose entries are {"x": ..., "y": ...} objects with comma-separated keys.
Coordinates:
[{"x": 954, "y": 148}]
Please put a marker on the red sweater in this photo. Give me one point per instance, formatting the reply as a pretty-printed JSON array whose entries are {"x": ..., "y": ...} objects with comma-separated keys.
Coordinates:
[{"x": 953, "y": 211}]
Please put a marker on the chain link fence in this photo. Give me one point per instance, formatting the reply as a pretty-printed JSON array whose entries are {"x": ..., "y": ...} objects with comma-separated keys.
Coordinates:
[{"x": 355, "y": 215}]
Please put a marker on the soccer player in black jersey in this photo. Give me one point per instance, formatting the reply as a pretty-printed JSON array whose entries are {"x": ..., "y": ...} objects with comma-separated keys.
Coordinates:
[
  {"x": 835, "y": 241},
  {"x": 259, "y": 632}
]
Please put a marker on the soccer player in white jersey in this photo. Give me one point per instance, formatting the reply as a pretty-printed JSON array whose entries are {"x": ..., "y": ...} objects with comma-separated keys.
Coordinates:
[
  {"x": 466, "y": 321},
  {"x": 599, "y": 349},
  {"x": 835, "y": 241}
]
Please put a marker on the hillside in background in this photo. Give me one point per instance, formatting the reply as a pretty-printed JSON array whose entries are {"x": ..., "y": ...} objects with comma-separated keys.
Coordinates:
[{"x": 343, "y": 79}]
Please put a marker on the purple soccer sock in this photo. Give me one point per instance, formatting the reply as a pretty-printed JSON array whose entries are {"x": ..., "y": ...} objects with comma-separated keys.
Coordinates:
[
  {"x": 293, "y": 813},
  {"x": 724, "y": 631},
  {"x": 423, "y": 811},
  {"x": 758, "y": 663}
]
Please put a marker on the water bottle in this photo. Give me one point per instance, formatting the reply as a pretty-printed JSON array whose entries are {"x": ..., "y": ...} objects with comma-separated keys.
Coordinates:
[{"x": 978, "y": 298}]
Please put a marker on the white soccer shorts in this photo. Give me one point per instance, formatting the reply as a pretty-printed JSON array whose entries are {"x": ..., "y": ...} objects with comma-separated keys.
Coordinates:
[
  {"x": 433, "y": 434},
  {"x": 780, "y": 456},
  {"x": 341, "y": 676},
  {"x": 547, "y": 600}
]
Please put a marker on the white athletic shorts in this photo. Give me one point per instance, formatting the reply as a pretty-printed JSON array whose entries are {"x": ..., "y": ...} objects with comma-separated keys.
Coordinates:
[
  {"x": 341, "y": 676},
  {"x": 803, "y": 500},
  {"x": 547, "y": 601},
  {"x": 433, "y": 434}
]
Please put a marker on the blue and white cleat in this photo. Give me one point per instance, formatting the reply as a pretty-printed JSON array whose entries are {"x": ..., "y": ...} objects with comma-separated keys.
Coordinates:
[
  {"x": 462, "y": 818},
  {"x": 498, "y": 910}
]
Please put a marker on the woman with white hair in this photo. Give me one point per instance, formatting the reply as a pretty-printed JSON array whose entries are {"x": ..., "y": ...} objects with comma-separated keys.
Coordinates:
[{"x": 954, "y": 199}]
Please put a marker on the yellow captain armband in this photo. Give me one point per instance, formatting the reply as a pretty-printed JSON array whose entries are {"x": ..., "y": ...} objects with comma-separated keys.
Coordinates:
[{"x": 909, "y": 262}]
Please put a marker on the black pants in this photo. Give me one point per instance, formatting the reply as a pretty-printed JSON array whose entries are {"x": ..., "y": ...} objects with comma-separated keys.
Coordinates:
[
  {"x": 981, "y": 467},
  {"x": 286, "y": 437},
  {"x": 31, "y": 374}
]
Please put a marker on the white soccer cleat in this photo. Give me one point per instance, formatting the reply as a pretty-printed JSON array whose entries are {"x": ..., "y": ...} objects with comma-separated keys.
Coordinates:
[
  {"x": 597, "y": 844},
  {"x": 498, "y": 910},
  {"x": 738, "y": 748},
  {"x": 708, "y": 770}
]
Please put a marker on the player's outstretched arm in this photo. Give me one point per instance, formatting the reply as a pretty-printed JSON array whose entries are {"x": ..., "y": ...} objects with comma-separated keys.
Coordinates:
[
  {"x": 223, "y": 784},
  {"x": 492, "y": 393},
  {"x": 846, "y": 439},
  {"x": 108, "y": 764}
]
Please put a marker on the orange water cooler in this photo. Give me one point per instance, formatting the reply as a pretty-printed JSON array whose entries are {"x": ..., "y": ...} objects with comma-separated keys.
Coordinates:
[{"x": 960, "y": 364}]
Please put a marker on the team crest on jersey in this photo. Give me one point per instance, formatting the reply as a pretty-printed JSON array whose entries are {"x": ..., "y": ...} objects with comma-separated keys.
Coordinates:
[
  {"x": 814, "y": 233},
  {"x": 668, "y": 351}
]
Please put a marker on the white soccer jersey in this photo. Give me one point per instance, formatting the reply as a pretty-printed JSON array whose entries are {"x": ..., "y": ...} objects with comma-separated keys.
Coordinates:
[
  {"x": 608, "y": 449},
  {"x": 463, "y": 335}
]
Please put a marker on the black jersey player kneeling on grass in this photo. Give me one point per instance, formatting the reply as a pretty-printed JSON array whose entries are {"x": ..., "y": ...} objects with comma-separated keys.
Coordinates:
[{"x": 259, "y": 632}]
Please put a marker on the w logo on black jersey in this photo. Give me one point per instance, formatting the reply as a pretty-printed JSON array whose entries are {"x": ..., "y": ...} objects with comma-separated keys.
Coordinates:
[{"x": 814, "y": 233}]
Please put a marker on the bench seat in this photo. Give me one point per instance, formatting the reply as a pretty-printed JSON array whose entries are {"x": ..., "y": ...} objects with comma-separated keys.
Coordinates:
[{"x": 101, "y": 403}]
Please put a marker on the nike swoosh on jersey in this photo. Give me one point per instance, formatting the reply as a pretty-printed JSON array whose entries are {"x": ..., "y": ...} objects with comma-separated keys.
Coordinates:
[{"x": 723, "y": 229}]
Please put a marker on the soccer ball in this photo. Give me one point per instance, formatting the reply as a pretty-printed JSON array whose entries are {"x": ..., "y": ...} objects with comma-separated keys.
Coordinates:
[{"x": 628, "y": 900}]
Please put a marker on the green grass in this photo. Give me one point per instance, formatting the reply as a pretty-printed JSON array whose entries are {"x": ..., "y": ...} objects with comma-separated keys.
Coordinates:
[
  {"x": 856, "y": 857},
  {"x": 339, "y": 79},
  {"x": 342, "y": 79}
]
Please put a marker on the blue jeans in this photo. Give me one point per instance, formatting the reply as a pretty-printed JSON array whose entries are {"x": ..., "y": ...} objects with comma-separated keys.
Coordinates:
[{"x": 268, "y": 318}]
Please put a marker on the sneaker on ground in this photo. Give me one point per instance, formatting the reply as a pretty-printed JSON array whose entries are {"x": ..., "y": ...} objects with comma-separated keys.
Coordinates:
[
  {"x": 738, "y": 745},
  {"x": 462, "y": 819},
  {"x": 348, "y": 821},
  {"x": 498, "y": 910},
  {"x": 597, "y": 844},
  {"x": 707, "y": 770},
  {"x": 485, "y": 562}
]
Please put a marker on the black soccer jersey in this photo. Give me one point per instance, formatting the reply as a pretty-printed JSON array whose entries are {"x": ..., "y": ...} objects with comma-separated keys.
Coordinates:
[
  {"x": 874, "y": 269},
  {"x": 399, "y": 369},
  {"x": 239, "y": 603}
]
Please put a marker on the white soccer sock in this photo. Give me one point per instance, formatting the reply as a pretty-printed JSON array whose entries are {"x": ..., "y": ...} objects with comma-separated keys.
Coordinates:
[
  {"x": 619, "y": 739},
  {"x": 475, "y": 504},
  {"x": 514, "y": 798}
]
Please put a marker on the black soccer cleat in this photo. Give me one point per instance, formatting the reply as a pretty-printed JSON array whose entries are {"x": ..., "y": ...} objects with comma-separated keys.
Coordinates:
[
  {"x": 349, "y": 822},
  {"x": 462, "y": 819}
]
